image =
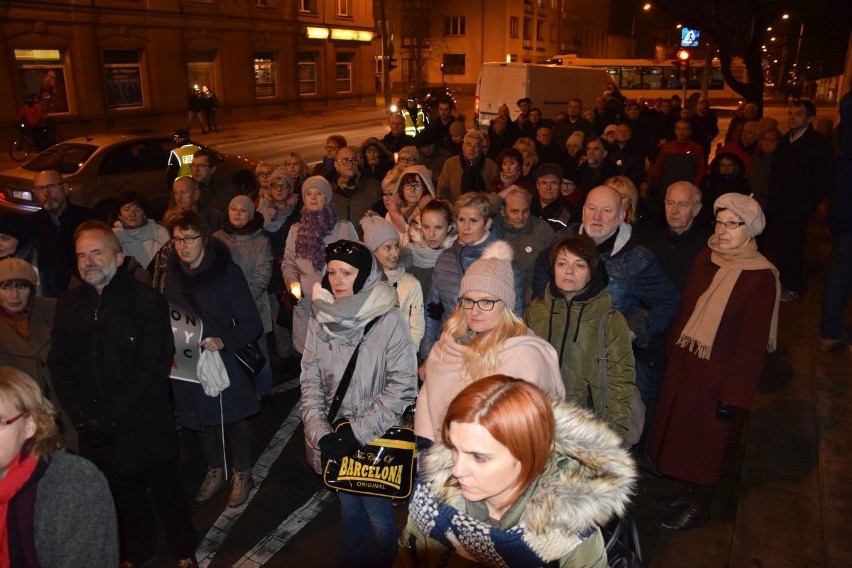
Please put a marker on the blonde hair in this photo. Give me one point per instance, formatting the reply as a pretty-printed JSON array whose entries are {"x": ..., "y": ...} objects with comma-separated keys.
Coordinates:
[
  {"x": 482, "y": 356},
  {"x": 624, "y": 186},
  {"x": 22, "y": 392}
]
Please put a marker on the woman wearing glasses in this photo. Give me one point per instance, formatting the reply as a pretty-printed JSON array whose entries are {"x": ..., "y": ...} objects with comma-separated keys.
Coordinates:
[
  {"x": 304, "y": 251},
  {"x": 413, "y": 190},
  {"x": 473, "y": 223},
  {"x": 406, "y": 157},
  {"x": 483, "y": 336},
  {"x": 326, "y": 167},
  {"x": 353, "y": 307},
  {"x": 203, "y": 280},
  {"x": 727, "y": 322},
  {"x": 55, "y": 508}
]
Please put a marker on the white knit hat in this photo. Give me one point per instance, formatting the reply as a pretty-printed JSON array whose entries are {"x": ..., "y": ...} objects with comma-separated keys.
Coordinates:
[{"x": 492, "y": 274}]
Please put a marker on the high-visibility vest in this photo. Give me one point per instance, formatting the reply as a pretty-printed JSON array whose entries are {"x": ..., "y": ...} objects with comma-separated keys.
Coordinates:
[
  {"x": 183, "y": 155},
  {"x": 412, "y": 127}
]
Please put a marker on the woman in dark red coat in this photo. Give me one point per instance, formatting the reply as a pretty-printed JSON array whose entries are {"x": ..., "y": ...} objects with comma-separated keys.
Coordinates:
[{"x": 726, "y": 324}]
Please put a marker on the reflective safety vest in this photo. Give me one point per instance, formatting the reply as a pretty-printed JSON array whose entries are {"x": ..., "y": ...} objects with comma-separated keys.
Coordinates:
[
  {"x": 412, "y": 127},
  {"x": 183, "y": 156}
]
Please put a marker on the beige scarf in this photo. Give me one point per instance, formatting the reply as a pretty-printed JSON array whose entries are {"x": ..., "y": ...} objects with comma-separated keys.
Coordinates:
[{"x": 700, "y": 331}]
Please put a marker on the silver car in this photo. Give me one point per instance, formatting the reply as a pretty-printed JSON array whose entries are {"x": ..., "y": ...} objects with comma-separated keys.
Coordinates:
[{"x": 101, "y": 167}]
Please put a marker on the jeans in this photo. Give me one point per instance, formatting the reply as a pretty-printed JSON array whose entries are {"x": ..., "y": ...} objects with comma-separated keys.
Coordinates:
[
  {"x": 838, "y": 285},
  {"x": 369, "y": 532}
]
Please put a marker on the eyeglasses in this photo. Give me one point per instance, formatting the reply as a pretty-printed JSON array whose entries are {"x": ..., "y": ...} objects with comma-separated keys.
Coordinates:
[
  {"x": 388, "y": 194},
  {"x": 264, "y": 174},
  {"x": 329, "y": 148},
  {"x": 415, "y": 185},
  {"x": 730, "y": 225},
  {"x": 185, "y": 240},
  {"x": 348, "y": 161},
  {"x": 484, "y": 305},
  {"x": 408, "y": 159},
  {"x": 48, "y": 187},
  {"x": 8, "y": 421},
  {"x": 204, "y": 166},
  {"x": 342, "y": 247},
  {"x": 278, "y": 184}
]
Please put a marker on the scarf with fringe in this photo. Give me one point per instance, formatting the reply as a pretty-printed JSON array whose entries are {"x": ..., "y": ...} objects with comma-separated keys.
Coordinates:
[
  {"x": 313, "y": 228},
  {"x": 701, "y": 328},
  {"x": 17, "y": 474}
]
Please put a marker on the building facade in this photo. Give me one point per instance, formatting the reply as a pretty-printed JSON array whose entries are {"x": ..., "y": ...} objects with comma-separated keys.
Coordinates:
[
  {"x": 129, "y": 65},
  {"x": 446, "y": 41}
]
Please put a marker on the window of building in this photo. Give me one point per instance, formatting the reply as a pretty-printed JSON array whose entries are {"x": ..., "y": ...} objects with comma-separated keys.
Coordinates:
[
  {"x": 123, "y": 78},
  {"x": 344, "y": 8},
  {"x": 514, "y": 26},
  {"x": 454, "y": 26},
  {"x": 343, "y": 72},
  {"x": 308, "y": 73},
  {"x": 42, "y": 72},
  {"x": 264, "y": 74},
  {"x": 201, "y": 67},
  {"x": 454, "y": 64},
  {"x": 308, "y": 6}
]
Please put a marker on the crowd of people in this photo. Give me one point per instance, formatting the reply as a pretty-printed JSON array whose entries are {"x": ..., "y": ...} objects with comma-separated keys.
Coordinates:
[{"x": 562, "y": 300}]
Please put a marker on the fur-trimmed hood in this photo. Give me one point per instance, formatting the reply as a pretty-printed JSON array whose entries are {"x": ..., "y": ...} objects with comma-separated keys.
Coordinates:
[{"x": 588, "y": 480}]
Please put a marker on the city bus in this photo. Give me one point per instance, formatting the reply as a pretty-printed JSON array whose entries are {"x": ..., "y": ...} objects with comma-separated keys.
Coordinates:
[{"x": 650, "y": 79}]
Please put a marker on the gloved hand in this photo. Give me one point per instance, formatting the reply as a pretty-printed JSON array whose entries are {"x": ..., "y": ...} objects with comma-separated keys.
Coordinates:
[
  {"x": 94, "y": 433},
  {"x": 338, "y": 444},
  {"x": 726, "y": 412}
]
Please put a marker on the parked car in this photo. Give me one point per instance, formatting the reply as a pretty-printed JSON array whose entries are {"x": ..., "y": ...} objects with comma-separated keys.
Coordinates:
[{"x": 100, "y": 167}]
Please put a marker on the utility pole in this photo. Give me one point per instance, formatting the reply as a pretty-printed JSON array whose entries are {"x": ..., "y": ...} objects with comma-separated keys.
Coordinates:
[{"x": 386, "y": 56}]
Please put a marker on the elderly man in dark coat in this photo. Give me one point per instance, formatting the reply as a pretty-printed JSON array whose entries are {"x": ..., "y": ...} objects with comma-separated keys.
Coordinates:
[{"x": 110, "y": 360}]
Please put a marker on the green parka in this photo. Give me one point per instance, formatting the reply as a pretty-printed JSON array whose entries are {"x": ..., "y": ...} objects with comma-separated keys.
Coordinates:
[{"x": 572, "y": 328}]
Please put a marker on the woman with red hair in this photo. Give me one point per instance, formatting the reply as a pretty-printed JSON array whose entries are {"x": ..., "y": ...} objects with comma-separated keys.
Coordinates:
[{"x": 517, "y": 479}]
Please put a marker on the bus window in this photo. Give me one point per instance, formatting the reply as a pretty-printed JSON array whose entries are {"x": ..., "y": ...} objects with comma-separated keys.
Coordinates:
[
  {"x": 651, "y": 78},
  {"x": 631, "y": 78}
]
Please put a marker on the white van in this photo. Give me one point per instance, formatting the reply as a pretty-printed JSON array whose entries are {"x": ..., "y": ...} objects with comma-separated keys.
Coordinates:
[{"x": 549, "y": 86}]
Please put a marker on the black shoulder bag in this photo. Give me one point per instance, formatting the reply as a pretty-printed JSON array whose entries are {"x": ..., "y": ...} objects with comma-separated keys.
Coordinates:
[{"x": 250, "y": 357}]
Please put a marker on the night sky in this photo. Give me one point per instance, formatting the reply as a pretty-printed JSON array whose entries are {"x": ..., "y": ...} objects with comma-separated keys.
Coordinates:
[{"x": 826, "y": 38}]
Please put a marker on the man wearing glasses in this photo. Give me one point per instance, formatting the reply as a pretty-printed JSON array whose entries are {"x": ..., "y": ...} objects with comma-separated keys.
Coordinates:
[
  {"x": 353, "y": 193},
  {"x": 53, "y": 229},
  {"x": 214, "y": 192}
]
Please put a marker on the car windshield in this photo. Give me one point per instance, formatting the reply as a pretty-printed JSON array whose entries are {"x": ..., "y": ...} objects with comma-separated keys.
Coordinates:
[{"x": 65, "y": 158}]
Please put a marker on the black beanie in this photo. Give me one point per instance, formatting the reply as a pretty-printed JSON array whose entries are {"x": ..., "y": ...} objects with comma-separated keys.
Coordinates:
[{"x": 354, "y": 254}]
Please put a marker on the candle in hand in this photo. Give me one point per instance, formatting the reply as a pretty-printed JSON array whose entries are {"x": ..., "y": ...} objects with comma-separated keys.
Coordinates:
[{"x": 296, "y": 290}]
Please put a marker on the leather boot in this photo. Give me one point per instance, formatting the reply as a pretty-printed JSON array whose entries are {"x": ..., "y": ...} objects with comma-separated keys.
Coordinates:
[
  {"x": 675, "y": 502},
  {"x": 213, "y": 482},
  {"x": 694, "y": 514},
  {"x": 241, "y": 485}
]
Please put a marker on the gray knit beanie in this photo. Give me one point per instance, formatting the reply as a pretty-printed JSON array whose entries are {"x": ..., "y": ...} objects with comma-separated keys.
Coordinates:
[
  {"x": 376, "y": 231},
  {"x": 320, "y": 183},
  {"x": 492, "y": 274}
]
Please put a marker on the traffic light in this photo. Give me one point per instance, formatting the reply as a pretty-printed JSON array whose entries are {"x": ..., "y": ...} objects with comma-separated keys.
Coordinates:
[
  {"x": 392, "y": 64},
  {"x": 682, "y": 61}
]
